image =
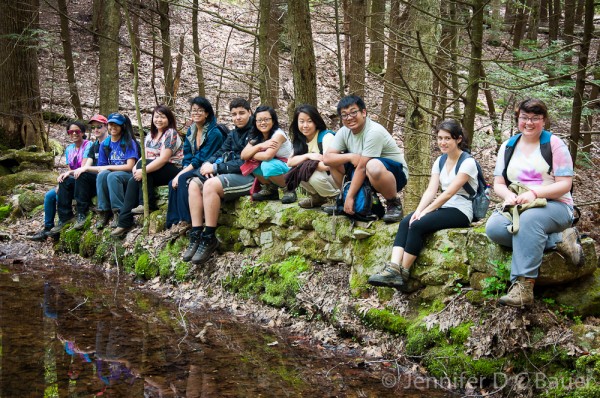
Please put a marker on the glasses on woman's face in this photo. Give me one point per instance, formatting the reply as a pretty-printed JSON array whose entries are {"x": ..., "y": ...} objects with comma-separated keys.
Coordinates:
[
  {"x": 198, "y": 111},
  {"x": 533, "y": 119},
  {"x": 71, "y": 132},
  {"x": 263, "y": 121}
]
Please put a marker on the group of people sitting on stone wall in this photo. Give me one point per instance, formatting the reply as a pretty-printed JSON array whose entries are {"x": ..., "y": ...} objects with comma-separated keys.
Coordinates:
[{"x": 209, "y": 165}]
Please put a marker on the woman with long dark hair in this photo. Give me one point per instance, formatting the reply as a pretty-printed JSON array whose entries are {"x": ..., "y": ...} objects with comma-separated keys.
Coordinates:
[
  {"x": 449, "y": 209},
  {"x": 164, "y": 155},
  {"x": 269, "y": 149},
  {"x": 311, "y": 138},
  {"x": 203, "y": 138}
]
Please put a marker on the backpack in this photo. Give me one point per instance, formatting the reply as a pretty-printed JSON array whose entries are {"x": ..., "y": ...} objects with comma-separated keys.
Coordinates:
[
  {"x": 367, "y": 206},
  {"x": 545, "y": 149},
  {"x": 223, "y": 129},
  {"x": 480, "y": 198},
  {"x": 320, "y": 137}
]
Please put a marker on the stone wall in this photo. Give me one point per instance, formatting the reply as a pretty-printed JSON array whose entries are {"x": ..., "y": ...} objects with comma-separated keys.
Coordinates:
[{"x": 451, "y": 259}]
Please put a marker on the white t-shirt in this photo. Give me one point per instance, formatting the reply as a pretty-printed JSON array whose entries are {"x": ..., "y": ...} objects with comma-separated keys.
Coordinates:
[
  {"x": 286, "y": 149},
  {"x": 459, "y": 200}
]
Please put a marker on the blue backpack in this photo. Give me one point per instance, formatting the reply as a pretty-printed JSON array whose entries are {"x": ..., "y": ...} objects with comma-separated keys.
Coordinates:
[
  {"x": 320, "y": 137},
  {"x": 480, "y": 198}
]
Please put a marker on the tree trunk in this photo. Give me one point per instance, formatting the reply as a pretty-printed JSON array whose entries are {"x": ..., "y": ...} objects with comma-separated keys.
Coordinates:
[
  {"x": 304, "y": 67},
  {"x": 65, "y": 38},
  {"x": 340, "y": 62},
  {"x": 579, "y": 12},
  {"x": 553, "y": 19},
  {"x": 454, "y": 48},
  {"x": 495, "y": 23},
  {"x": 97, "y": 14},
  {"x": 358, "y": 20},
  {"x": 474, "y": 68},
  {"x": 21, "y": 121},
  {"x": 196, "y": 43},
  {"x": 109, "y": 57},
  {"x": 376, "y": 36},
  {"x": 520, "y": 22},
  {"x": 588, "y": 30},
  {"x": 346, "y": 10},
  {"x": 442, "y": 60},
  {"x": 268, "y": 48},
  {"x": 588, "y": 121},
  {"x": 165, "y": 35},
  {"x": 534, "y": 21},
  {"x": 417, "y": 127},
  {"x": 544, "y": 12},
  {"x": 569, "y": 27},
  {"x": 389, "y": 101},
  {"x": 509, "y": 14}
]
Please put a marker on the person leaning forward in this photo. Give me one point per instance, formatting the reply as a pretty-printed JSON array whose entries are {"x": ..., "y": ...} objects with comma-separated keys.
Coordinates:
[{"x": 367, "y": 148}]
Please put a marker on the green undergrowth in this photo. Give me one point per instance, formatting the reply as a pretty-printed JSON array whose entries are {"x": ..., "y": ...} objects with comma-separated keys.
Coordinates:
[{"x": 276, "y": 284}]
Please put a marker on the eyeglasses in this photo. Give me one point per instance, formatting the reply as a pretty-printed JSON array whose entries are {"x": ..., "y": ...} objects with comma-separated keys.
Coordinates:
[
  {"x": 96, "y": 126},
  {"x": 70, "y": 132},
  {"x": 263, "y": 121},
  {"x": 198, "y": 111},
  {"x": 351, "y": 114},
  {"x": 533, "y": 119}
]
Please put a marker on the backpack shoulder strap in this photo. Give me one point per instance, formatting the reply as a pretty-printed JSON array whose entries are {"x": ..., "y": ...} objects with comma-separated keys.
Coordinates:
[
  {"x": 467, "y": 187},
  {"x": 443, "y": 159},
  {"x": 546, "y": 148},
  {"x": 508, "y": 152},
  {"x": 320, "y": 137},
  {"x": 106, "y": 147}
]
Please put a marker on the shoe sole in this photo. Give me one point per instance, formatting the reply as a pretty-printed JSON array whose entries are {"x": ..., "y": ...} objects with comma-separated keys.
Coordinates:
[{"x": 384, "y": 284}]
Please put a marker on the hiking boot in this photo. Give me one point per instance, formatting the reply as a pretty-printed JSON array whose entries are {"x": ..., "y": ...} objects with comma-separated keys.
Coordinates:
[
  {"x": 268, "y": 192},
  {"x": 119, "y": 231},
  {"x": 288, "y": 196},
  {"x": 195, "y": 237},
  {"x": 394, "y": 211},
  {"x": 519, "y": 294},
  {"x": 40, "y": 236},
  {"x": 314, "y": 200},
  {"x": 570, "y": 247},
  {"x": 115, "y": 222},
  {"x": 332, "y": 210},
  {"x": 138, "y": 210},
  {"x": 392, "y": 275},
  {"x": 58, "y": 227},
  {"x": 104, "y": 218},
  {"x": 81, "y": 218},
  {"x": 207, "y": 246}
]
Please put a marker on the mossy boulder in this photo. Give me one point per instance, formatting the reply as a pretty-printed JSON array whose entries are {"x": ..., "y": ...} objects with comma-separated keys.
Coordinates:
[
  {"x": 145, "y": 266},
  {"x": 22, "y": 159},
  {"x": 28, "y": 200},
  {"x": 557, "y": 270},
  {"x": 583, "y": 295},
  {"x": 158, "y": 220},
  {"x": 332, "y": 228},
  {"x": 9, "y": 182},
  {"x": 89, "y": 243},
  {"x": 588, "y": 337},
  {"x": 250, "y": 215}
]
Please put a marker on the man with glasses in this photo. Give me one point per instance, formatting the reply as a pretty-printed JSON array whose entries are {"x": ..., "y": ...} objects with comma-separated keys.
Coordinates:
[
  {"x": 221, "y": 180},
  {"x": 363, "y": 149}
]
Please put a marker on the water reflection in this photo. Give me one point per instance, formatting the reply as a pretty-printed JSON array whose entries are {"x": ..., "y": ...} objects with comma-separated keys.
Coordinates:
[{"x": 67, "y": 334}]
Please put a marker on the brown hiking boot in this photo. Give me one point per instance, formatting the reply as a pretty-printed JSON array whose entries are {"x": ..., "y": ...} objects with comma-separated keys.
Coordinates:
[
  {"x": 520, "y": 293},
  {"x": 394, "y": 212},
  {"x": 570, "y": 247},
  {"x": 392, "y": 275},
  {"x": 314, "y": 200}
]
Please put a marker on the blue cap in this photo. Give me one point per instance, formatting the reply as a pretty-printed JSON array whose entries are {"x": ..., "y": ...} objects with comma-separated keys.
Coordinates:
[{"x": 116, "y": 118}]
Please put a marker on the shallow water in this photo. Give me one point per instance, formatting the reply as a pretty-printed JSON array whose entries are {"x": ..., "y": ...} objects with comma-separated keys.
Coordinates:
[{"x": 76, "y": 334}]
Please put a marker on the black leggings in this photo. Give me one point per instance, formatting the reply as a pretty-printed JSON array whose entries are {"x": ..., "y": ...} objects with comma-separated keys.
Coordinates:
[
  {"x": 133, "y": 193},
  {"x": 411, "y": 237}
]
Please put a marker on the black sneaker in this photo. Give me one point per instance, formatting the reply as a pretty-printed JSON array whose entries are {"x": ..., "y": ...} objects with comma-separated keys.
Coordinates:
[
  {"x": 58, "y": 227},
  {"x": 394, "y": 211},
  {"x": 268, "y": 192},
  {"x": 40, "y": 236},
  {"x": 332, "y": 210},
  {"x": 81, "y": 218},
  {"x": 207, "y": 246},
  {"x": 289, "y": 197},
  {"x": 195, "y": 237},
  {"x": 104, "y": 218}
]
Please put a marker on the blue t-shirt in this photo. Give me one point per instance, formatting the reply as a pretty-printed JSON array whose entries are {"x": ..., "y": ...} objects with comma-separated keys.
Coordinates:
[{"x": 116, "y": 155}]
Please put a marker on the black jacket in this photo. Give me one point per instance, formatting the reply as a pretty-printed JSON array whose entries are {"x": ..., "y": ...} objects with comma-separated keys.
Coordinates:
[{"x": 227, "y": 157}]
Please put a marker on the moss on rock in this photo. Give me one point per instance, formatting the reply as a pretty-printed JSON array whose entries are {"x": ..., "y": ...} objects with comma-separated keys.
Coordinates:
[
  {"x": 89, "y": 243},
  {"x": 9, "y": 182},
  {"x": 145, "y": 266},
  {"x": 385, "y": 320}
]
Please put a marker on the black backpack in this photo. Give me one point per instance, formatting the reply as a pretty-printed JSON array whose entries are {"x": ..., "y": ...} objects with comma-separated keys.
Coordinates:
[
  {"x": 223, "y": 129},
  {"x": 479, "y": 198}
]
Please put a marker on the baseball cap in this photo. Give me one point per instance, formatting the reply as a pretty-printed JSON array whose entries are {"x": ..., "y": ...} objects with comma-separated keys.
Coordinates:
[
  {"x": 99, "y": 118},
  {"x": 116, "y": 118}
]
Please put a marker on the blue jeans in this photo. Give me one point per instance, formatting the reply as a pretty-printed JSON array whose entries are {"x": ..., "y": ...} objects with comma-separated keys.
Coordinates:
[
  {"x": 49, "y": 208},
  {"x": 110, "y": 186},
  {"x": 536, "y": 227}
]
